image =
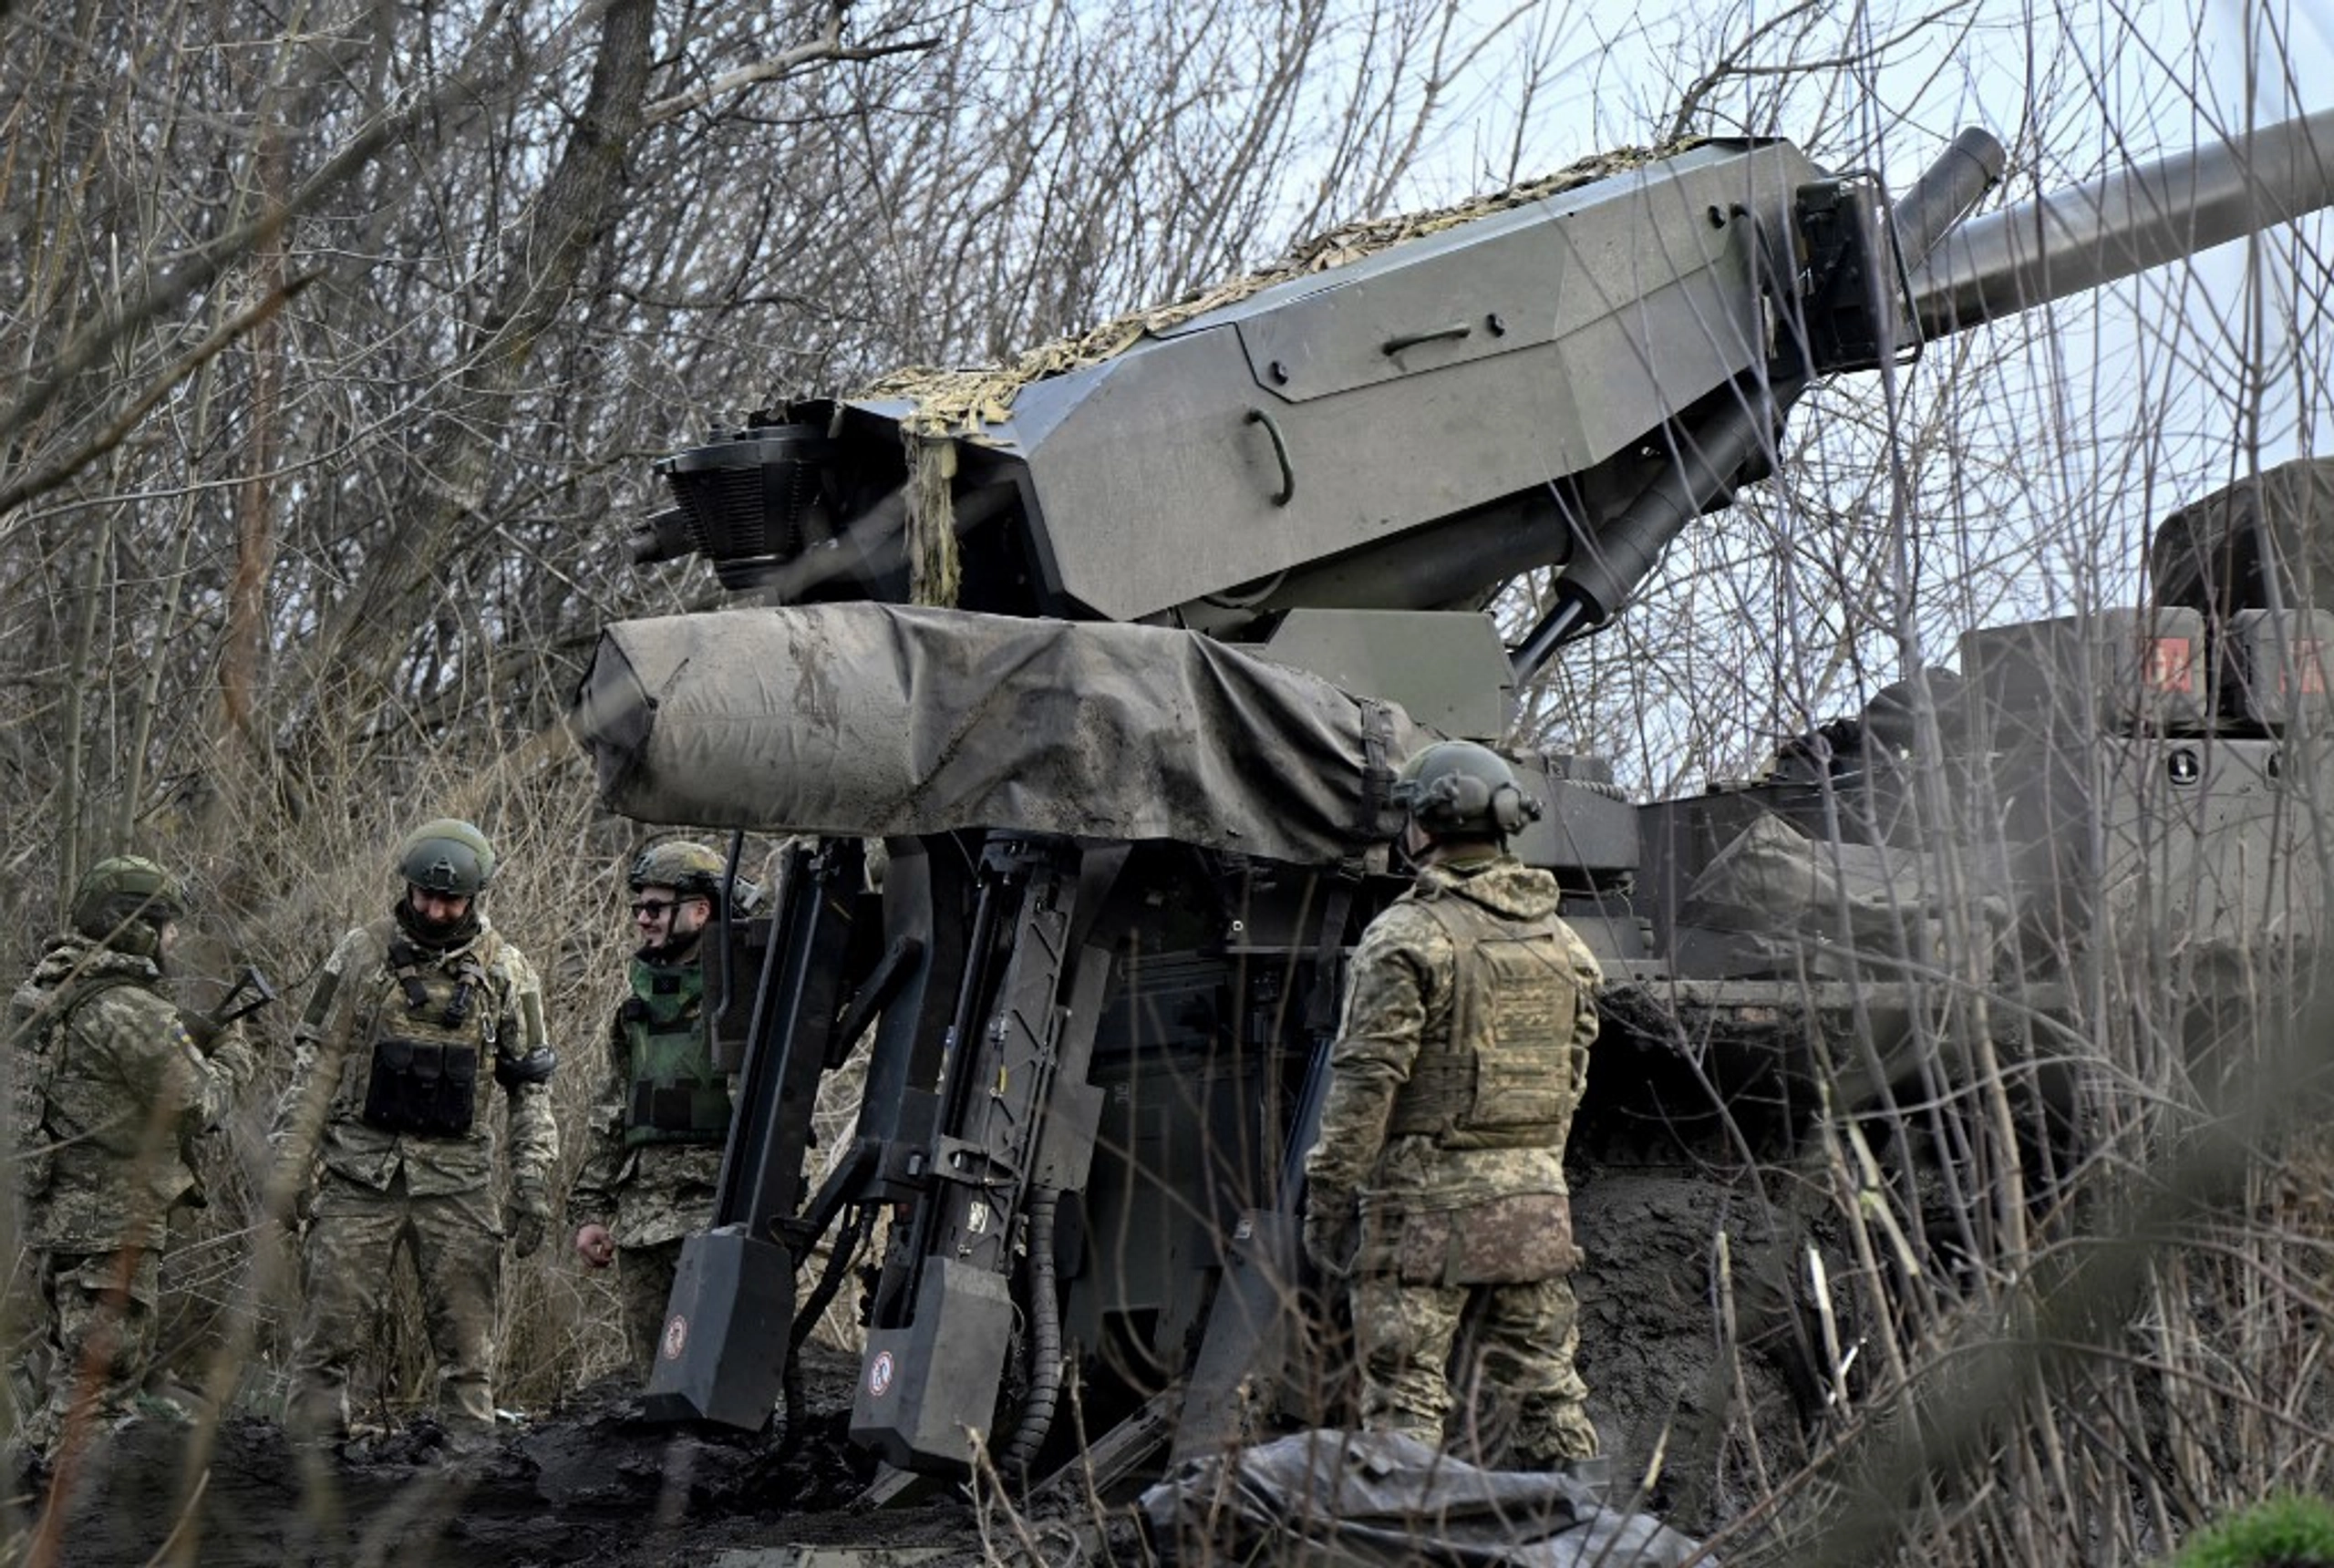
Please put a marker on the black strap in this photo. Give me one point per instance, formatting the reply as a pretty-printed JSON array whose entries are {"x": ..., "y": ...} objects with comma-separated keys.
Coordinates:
[{"x": 407, "y": 962}]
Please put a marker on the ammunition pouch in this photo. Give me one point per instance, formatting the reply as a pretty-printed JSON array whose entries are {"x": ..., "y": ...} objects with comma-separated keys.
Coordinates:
[
  {"x": 1520, "y": 1239},
  {"x": 428, "y": 1088}
]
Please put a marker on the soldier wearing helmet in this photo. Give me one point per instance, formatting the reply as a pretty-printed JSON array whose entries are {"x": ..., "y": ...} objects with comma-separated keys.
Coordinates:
[
  {"x": 1436, "y": 1189},
  {"x": 111, "y": 1090},
  {"x": 662, "y": 1115},
  {"x": 391, "y": 1131}
]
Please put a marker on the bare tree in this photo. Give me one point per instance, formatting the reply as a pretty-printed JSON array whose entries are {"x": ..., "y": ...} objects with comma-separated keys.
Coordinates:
[
  {"x": 339, "y": 339},
  {"x": 342, "y": 338}
]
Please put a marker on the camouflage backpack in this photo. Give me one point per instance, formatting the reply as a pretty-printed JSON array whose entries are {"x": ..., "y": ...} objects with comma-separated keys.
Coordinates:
[{"x": 36, "y": 1016}]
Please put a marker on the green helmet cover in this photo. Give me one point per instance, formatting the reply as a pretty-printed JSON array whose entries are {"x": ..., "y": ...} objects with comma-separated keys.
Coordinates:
[
  {"x": 447, "y": 856},
  {"x": 123, "y": 888},
  {"x": 1459, "y": 789}
]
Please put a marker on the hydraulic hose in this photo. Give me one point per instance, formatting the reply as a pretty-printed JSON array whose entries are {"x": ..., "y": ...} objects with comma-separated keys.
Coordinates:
[
  {"x": 844, "y": 1251},
  {"x": 1045, "y": 1339}
]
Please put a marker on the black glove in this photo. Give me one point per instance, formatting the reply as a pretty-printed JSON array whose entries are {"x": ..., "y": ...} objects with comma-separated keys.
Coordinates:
[{"x": 1330, "y": 1222}]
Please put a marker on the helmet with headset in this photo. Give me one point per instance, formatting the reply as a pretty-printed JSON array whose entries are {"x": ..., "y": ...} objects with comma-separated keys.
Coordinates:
[{"x": 1459, "y": 789}]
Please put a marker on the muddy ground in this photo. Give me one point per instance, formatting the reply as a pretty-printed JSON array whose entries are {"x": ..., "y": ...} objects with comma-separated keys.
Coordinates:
[
  {"x": 591, "y": 1483},
  {"x": 595, "y": 1484}
]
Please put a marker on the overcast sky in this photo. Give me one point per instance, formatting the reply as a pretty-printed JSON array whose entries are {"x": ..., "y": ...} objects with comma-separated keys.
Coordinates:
[
  {"x": 2174, "y": 376},
  {"x": 2113, "y": 410}
]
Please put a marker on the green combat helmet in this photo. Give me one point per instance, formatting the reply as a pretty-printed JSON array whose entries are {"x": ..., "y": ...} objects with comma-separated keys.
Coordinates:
[
  {"x": 123, "y": 901},
  {"x": 688, "y": 868},
  {"x": 447, "y": 856},
  {"x": 1458, "y": 789}
]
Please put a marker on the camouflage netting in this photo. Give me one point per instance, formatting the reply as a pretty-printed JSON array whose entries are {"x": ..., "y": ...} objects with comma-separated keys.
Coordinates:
[
  {"x": 958, "y": 402},
  {"x": 953, "y": 403}
]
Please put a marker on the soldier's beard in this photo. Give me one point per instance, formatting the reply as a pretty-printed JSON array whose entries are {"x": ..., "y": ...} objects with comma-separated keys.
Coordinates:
[
  {"x": 436, "y": 932},
  {"x": 672, "y": 950}
]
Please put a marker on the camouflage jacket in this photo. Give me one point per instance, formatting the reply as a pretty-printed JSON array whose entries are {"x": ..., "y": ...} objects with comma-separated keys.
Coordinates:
[
  {"x": 1401, "y": 1007},
  {"x": 649, "y": 1193},
  {"x": 112, "y": 1092},
  {"x": 357, "y": 1000}
]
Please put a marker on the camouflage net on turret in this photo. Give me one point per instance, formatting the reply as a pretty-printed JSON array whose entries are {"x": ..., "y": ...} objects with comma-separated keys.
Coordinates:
[
  {"x": 953, "y": 403},
  {"x": 959, "y": 401}
]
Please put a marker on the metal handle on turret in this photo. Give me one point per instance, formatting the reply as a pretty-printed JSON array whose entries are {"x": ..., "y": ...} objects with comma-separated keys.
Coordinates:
[
  {"x": 1394, "y": 345},
  {"x": 1288, "y": 491}
]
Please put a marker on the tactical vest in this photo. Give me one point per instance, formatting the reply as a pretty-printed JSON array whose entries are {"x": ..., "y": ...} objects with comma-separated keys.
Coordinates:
[
  {"x": 677, "y": 1095},
  {"x": 429, "y": 1038},
  {"x": 1508, "y": 1074}
]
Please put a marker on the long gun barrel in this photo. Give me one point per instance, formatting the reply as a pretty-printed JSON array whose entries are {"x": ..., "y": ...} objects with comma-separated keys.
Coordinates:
[
  {"x": 2125, "y": 223},
  {"x": 1567, "y": 380}
]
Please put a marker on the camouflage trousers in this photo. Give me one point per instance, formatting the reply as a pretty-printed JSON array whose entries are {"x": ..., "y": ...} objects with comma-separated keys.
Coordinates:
[
  {"x": 1519, "y": 1340},
  {"x": 348, "y": 1263},
  {"x": 93, "y": 1342},
  {"x": 645, "y": 1287},
  {"x": 668, "y": 1199}
]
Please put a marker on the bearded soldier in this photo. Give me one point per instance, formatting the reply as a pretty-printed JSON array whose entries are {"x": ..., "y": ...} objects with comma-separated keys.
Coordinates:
[
  {"x": 112, "y": 1089},
  {"x": 1436, "y": 1189},
  {"x": 420, "y": 1023},
  {"x": 663, "y": 1112}
]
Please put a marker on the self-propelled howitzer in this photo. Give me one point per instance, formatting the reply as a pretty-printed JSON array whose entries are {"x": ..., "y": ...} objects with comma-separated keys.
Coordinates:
[{"x": 1113, "y": 658}]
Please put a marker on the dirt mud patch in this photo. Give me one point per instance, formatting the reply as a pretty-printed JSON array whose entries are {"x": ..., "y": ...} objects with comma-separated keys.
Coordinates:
[{"x": 595, "y": 1483}]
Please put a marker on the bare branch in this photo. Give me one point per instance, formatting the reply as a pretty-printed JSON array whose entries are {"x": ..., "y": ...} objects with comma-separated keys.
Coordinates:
[
  {"x": 62, "y": 471},
  {"x": 830, "y": 47}
]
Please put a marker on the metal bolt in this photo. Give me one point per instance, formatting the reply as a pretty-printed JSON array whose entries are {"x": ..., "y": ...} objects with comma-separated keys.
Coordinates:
[{"x": 1278, "y": 372}]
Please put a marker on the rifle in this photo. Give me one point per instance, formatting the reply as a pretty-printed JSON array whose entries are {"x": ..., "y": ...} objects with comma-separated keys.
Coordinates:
[{"x": 251, "y": 991}]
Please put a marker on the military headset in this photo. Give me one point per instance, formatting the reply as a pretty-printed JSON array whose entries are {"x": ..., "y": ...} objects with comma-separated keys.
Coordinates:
[{"x": 1457, "y": 802}]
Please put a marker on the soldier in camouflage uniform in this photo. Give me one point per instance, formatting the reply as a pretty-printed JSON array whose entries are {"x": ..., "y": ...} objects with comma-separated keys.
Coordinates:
[
  {"x": 111, "y": 1090},
  {"x": 417, "y": 1018},
  {"x": 662, "y": 1114},
  {"x": 1436, "y": 1189}
]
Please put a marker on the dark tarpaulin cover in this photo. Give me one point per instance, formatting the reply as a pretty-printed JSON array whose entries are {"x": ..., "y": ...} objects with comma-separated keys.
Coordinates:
[
  {"x": 1332, "y": 1497},
  {"x": 875, "y": 720}
]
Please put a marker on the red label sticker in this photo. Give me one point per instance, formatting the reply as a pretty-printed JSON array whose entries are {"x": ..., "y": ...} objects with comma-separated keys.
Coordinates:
[
  {"x": 2171, "y": 665},
  {"x": 2309, "y": 657}
]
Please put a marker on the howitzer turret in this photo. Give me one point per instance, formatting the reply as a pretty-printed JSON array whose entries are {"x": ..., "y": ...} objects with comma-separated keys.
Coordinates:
[
  {"x": 1016, "y": 638},
  {"x": 1566, "y": 380}
]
